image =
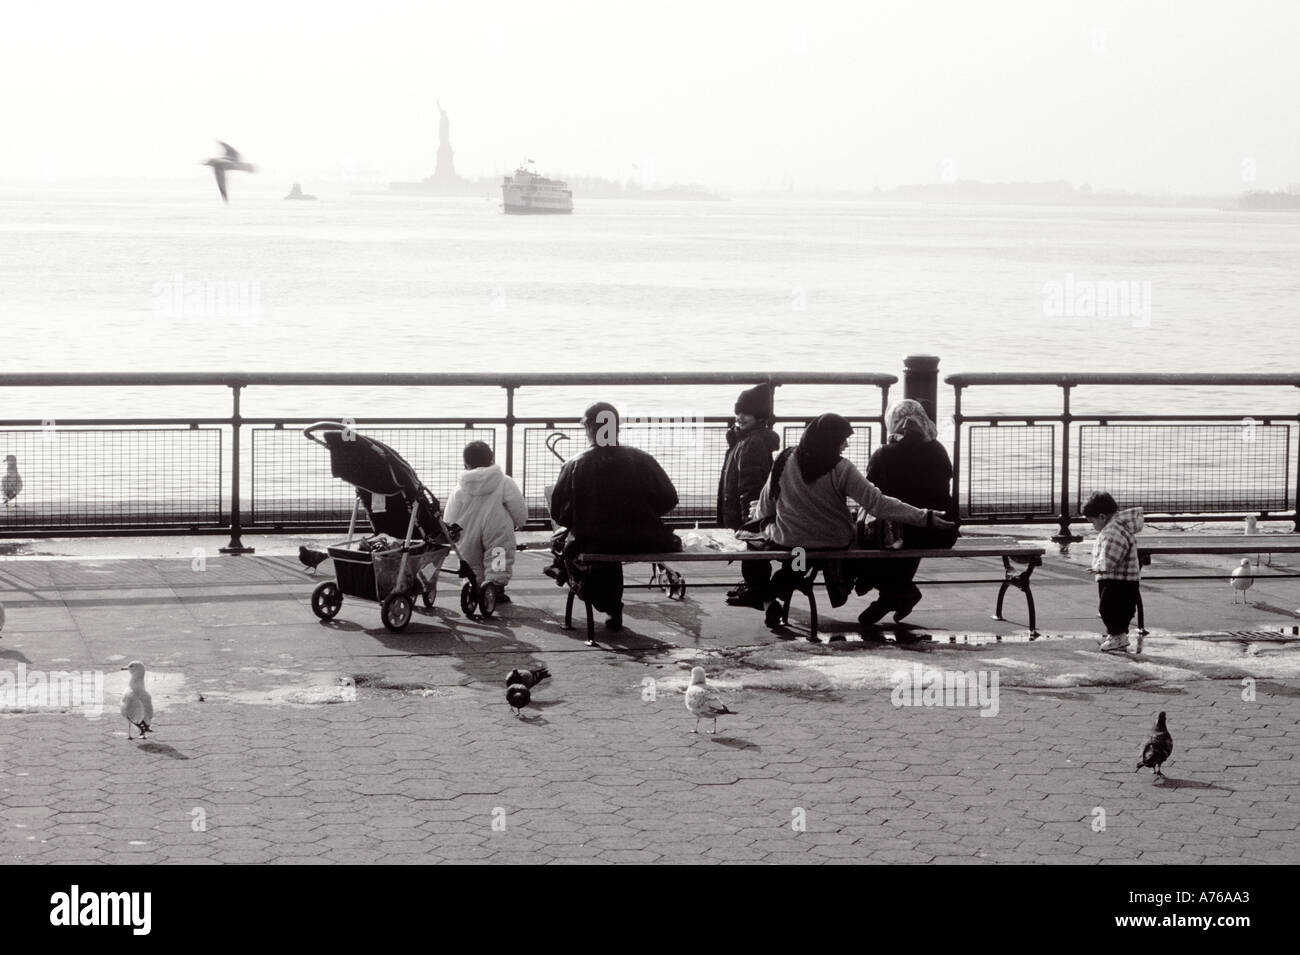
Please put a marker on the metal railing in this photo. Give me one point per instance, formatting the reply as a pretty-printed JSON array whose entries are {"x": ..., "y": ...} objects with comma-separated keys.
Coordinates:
[
  {"x": 160, "y": 475},
  {"x": 1039, "y": 468}
]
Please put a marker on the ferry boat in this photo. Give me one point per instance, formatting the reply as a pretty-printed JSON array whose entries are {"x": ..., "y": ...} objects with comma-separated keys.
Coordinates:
[{"x": 526, "y": 193}]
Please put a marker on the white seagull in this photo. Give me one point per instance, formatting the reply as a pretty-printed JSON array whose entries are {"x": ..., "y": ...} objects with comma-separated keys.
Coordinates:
[
  {"x": 704, "y": 701},
  {"x": 12, "y": 484},
  {"x": 223, "y": 164},
  {"x": 137, "y": 704},
  {"x": 1242, "y": 579}
]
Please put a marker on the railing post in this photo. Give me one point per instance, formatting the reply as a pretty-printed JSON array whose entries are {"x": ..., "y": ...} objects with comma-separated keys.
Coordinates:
[
  {"x": 1295, "y": 501},
  {"x": 884, "y": 407},
  {"x": 1064, "y": 538},
  {"x": 921, "y": 381},
  {"x": 954, "y": 513},
  {"x": 236, "y": 546},
  {"x": 510, "y": 430}
]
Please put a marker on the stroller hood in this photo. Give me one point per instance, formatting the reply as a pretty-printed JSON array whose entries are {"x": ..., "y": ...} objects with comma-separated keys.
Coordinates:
[
  {"x": 481, "y": 481},
  {"x": 379, "y": 474}
]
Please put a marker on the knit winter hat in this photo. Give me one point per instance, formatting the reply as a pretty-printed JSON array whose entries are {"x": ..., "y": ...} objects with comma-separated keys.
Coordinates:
[{"x": 756, "y": 401}]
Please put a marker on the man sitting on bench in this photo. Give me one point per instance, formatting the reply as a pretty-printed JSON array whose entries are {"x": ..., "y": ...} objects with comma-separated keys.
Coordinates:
[{"x": 611, "y": 498}]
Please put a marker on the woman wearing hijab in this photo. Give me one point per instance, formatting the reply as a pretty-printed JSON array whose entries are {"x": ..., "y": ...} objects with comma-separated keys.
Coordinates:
[
  {"x": 805, "y": 497},
  {"x": 915, "y": 468}
]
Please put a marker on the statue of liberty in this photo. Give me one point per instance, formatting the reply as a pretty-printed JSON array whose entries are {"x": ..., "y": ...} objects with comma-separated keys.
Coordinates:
[{"x": 446, "y": 168}]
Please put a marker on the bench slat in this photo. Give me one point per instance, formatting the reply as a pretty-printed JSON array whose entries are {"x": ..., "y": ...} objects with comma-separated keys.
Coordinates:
[
  {"x": 1221, "y": 544},
  {"x": 1017, "y": 552}
]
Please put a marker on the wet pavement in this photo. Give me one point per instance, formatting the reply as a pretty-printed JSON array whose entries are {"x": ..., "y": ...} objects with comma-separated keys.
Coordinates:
[{"x": 279, "y": 738}]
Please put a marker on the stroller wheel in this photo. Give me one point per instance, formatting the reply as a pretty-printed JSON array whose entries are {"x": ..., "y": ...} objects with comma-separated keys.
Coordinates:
[
  {"x": 326, "y": 600},
  {"x": 395, "y": 612},
  {"x": 468, "y": 599},
  {"x": 487, "y": 599}
]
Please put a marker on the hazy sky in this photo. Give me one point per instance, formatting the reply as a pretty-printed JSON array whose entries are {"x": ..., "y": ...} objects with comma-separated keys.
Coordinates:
[{"x": 1151, "y": 96}]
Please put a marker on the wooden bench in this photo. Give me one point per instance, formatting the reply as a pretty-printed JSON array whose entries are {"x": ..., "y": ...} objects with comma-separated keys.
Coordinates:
[
  {"x": 1226, "y": 544},
  {"x": 667, "y": 574}
]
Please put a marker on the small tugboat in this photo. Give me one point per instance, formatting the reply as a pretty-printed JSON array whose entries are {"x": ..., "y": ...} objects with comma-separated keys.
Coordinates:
[
  {"x": 526, "y": 193},
  {"x": 297, "y": 193}
]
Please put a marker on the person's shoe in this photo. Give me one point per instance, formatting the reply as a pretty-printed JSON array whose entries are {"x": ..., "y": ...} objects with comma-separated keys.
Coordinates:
[
  {"x": 772, "y": 615},
  {"x": 1115, "y": 642},
  {"x": 749, "y": 599},
  {"x": 906, "y": 605},
  {"x": 503, "y": 597},
  {"x": 742, "y": 596},
  {"x": 874, "y": 612}
]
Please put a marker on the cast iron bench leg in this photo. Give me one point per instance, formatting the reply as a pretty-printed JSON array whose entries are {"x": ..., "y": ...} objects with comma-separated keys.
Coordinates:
[
  {"x": 1021, "y": 582},
  {"x": 812, "y": 617},
  {"x": 1002, "y": 591},
  {"x": 1029, "y": 601},
  {"x": 568, "y": 611},
  {"x": 808, "y": 587}
]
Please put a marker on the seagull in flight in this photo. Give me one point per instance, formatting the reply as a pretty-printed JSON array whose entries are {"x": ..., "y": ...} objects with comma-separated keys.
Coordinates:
[{"x": 230, "y": 161}]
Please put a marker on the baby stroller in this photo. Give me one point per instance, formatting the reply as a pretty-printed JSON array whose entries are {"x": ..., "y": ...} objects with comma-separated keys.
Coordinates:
[{"x": 403, "y": 556}]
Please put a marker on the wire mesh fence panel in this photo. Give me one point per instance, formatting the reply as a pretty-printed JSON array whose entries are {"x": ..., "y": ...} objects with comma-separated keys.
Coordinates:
[
  {"x": 1010, "y": 471},
  {"x": 101, "y": 478},
  {"x": 1181, "y": 468},
  {"x": 292, "y": 483},
  {"x": 690, "y": 453}
]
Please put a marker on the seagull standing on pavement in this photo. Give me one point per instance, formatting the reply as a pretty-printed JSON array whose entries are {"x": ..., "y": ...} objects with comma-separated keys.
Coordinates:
[
  {"x": 704, "y": 701},
  {"x": 137, "y": 704},
  {"x": 12, "y": 484},
  {"x": 1242, "y": 579},
  {"x": 223, "y": 164}
]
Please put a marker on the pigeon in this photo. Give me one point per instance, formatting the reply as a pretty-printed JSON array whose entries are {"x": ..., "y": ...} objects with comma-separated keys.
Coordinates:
[
  {"x": 137, "y": 704},
  {"x": 1242, "y": 580},
  {"x": 12, "y": 484},
  {"x": 1158, "y": 747},
  {"x": 704, "y": 701},
  {"x": 311, "y": 559},
  {"x": 222, "y": 164},
  {"x": 519, "y": 683}
]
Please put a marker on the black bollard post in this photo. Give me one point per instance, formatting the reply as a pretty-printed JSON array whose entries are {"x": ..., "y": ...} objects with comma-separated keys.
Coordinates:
[{"x": 921, "y": 382}]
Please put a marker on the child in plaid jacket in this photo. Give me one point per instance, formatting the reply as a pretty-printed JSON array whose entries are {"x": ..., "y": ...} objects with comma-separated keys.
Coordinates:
[{"x": 1115, "y": 564}]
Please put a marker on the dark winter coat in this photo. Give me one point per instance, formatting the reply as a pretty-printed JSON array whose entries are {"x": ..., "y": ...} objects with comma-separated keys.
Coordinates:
[
  {"x": 744, "y": 472},
  {"x": 611, "y": 498},
  {"x": 918, "y": 472}
]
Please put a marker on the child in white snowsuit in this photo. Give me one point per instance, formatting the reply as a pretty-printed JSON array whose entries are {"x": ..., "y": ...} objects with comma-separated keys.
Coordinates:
[{"x": 488, "y": 507}]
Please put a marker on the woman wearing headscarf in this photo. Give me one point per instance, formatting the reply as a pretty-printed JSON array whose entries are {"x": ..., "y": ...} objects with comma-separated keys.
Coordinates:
[
  {"x": 915, "y": 468},
  {"x": 805, "y": 497}
]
